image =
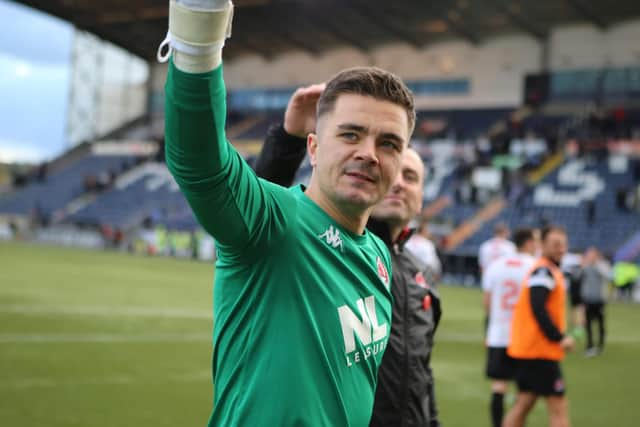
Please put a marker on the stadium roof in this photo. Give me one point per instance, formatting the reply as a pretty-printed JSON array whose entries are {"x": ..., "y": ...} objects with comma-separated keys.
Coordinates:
[{"x": 272, "y": 27}]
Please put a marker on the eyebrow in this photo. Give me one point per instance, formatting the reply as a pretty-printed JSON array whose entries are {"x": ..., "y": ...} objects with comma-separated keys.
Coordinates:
[
  {"x": 354, "y": 127},
  {"x": 363, "y": 129},
  {"x": 410, "y": 170}
]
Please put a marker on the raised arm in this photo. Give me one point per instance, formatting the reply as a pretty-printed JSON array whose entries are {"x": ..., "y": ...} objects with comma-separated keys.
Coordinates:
[
  {"x": 225, "y": 195},
  {"x": 280, "y": 157},
  {"x": 285, "y": 146}
]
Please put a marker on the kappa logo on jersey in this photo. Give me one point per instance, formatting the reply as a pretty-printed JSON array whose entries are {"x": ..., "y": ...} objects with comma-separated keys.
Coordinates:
[
  {"x": 370, "y": 334},
  {"x": 382, "y": 272},
  {"x": 332, "y": 237}
]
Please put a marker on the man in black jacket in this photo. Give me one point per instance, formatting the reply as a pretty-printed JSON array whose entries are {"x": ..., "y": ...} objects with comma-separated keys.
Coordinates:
[{"x": 405, "y": 390}]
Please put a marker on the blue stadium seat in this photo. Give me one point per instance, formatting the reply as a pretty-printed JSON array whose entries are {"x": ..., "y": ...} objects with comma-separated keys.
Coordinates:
[{"x": 59, "y": 188}]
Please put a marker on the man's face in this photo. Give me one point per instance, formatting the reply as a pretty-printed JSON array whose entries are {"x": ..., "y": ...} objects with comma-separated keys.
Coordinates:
[
  {"x": 591, "y": 256},
  {"x": 404, "y": 199},
  {"x": 357, "y": 151},
  {"x": 554, "y": 246},
  {"x": 530, "y": 247}
]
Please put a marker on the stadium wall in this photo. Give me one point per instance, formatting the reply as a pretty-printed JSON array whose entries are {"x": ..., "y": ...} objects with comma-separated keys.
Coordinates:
[
  {"x": 495, "y": 68},
  {"x": 108, "y": 88},
  {"x": 585, "y": 46}
]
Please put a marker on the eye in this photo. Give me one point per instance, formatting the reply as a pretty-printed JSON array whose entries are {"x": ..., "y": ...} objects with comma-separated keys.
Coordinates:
[
  {"x": 389, "y": 144},
  {"x": 410, "y": 177},
  {"x": 351, "y": 136}
]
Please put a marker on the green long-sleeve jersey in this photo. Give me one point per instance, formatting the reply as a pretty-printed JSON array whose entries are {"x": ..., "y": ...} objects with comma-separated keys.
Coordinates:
[{"x": 302, "y": 306}]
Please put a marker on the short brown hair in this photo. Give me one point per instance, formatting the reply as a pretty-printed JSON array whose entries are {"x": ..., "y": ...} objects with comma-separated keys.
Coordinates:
[
  {"x": 368, "y": 81},
  {"x": 521, "y": 236},
  {"x": 551, "y": 228}
]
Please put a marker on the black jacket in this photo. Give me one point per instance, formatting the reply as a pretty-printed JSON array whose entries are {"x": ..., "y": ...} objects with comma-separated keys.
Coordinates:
[{"x": 405, "y": 391}]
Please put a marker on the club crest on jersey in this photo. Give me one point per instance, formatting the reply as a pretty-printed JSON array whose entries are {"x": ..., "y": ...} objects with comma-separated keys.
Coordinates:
[
  {"x": 382, "y": 272},
  {"x": 331, "y": 236}
]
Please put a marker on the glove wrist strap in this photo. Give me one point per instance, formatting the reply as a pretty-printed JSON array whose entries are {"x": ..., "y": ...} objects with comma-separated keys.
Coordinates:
[{"x": 196, "y": 34}]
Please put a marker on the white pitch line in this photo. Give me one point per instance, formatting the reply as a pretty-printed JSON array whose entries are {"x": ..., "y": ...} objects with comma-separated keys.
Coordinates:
[
  {"x": 101, "y": 338},
  {"x": 25, "y": 383},
  {"x": 114, "y": 311},
  {"x": 476, "y": 338},
  {"x": 45, "y": 338}
]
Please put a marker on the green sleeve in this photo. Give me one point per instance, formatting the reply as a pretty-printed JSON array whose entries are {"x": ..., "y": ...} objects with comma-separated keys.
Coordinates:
[{"x": 230, "y": 202}]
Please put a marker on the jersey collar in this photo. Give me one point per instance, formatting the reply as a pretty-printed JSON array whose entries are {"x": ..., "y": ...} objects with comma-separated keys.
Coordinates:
[{"x": 381, "y": 229}]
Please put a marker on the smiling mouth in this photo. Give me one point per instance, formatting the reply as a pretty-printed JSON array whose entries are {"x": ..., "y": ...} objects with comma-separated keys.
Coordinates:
[
  {"x": 393, "y": 200},
  {"x": 361, "y": 176}
]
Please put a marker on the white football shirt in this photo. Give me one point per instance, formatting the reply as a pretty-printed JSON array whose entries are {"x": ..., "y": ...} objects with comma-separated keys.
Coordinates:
[
  {"x": 424, "y": 249},
  {"x": 493, "y": 249},
  {"x": 503, "y": 279}
]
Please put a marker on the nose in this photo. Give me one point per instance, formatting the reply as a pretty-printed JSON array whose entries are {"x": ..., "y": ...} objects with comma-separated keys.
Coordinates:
[{"x": 367, "y": 151}]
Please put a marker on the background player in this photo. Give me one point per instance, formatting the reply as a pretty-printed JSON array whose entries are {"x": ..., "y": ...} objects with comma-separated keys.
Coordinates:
[
  {"x": 571, "y": 266},
  {"x": 538, "y": 339},
  {"x": 499, "y": 245},
  {"x": 421, "y": 245},
  {"x": 501, "y": 285},
  {"x": 596, "y": 273}
]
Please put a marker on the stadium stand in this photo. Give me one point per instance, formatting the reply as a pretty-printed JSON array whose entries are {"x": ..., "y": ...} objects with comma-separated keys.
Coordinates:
[
  {"x": 146, "y": 192},
  {"x": 477, "y": 177},
  {"x": 508, "y": 132},
  {"x": 461, "y": 124},
  {"x": 514, "y": 169},
  {"x": 52, "y": 190}
]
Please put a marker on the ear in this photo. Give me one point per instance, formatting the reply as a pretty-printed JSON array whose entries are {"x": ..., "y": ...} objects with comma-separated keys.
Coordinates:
[{"x": 312, "y": 147}]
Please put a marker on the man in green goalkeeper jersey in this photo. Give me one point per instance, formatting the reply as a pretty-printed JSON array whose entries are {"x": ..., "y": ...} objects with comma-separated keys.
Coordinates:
[{"x": 302, "y": 306}]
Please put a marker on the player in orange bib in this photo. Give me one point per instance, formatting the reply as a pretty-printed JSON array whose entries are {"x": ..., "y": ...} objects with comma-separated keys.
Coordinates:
[{"x": 538, "y": 341}]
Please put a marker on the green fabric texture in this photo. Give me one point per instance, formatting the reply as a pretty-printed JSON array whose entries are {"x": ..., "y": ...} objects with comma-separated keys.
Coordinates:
[{"x": 302, "y": 308}]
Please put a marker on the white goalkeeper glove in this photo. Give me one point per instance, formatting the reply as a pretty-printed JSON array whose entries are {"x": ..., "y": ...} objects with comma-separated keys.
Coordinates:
[{"x": 197, "y": 31}]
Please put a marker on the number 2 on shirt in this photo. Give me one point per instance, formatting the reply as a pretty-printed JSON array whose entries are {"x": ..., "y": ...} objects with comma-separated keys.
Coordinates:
[{"x": 510, "y": 295}]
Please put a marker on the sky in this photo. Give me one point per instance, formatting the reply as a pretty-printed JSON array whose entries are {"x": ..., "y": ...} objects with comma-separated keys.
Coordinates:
[{"x": 35, "y": 55}]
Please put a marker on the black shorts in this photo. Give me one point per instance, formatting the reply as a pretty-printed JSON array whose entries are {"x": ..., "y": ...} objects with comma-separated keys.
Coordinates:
[
  {"x": 575, "y": 293},
  {"x": 500, "y": 366},
  {"x": 541, "y": 377},
  {"x": 594, "y": 310}
]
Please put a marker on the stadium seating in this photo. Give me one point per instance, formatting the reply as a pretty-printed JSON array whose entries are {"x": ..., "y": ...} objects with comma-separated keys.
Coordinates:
[
  {"x": 56, "y": 189},
  {"x": 568, "y": 195},
  {"x": 580, "y": 195},
  {"x": 258, "y": 128},
  {"x": 148, "y": 191},
  {"x": 464, "y": 124},
  {"x": 559, "y": 200}
]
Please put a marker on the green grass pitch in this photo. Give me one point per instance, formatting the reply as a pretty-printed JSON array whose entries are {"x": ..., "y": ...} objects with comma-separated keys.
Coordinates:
[{"x": 103, "y": 339}]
